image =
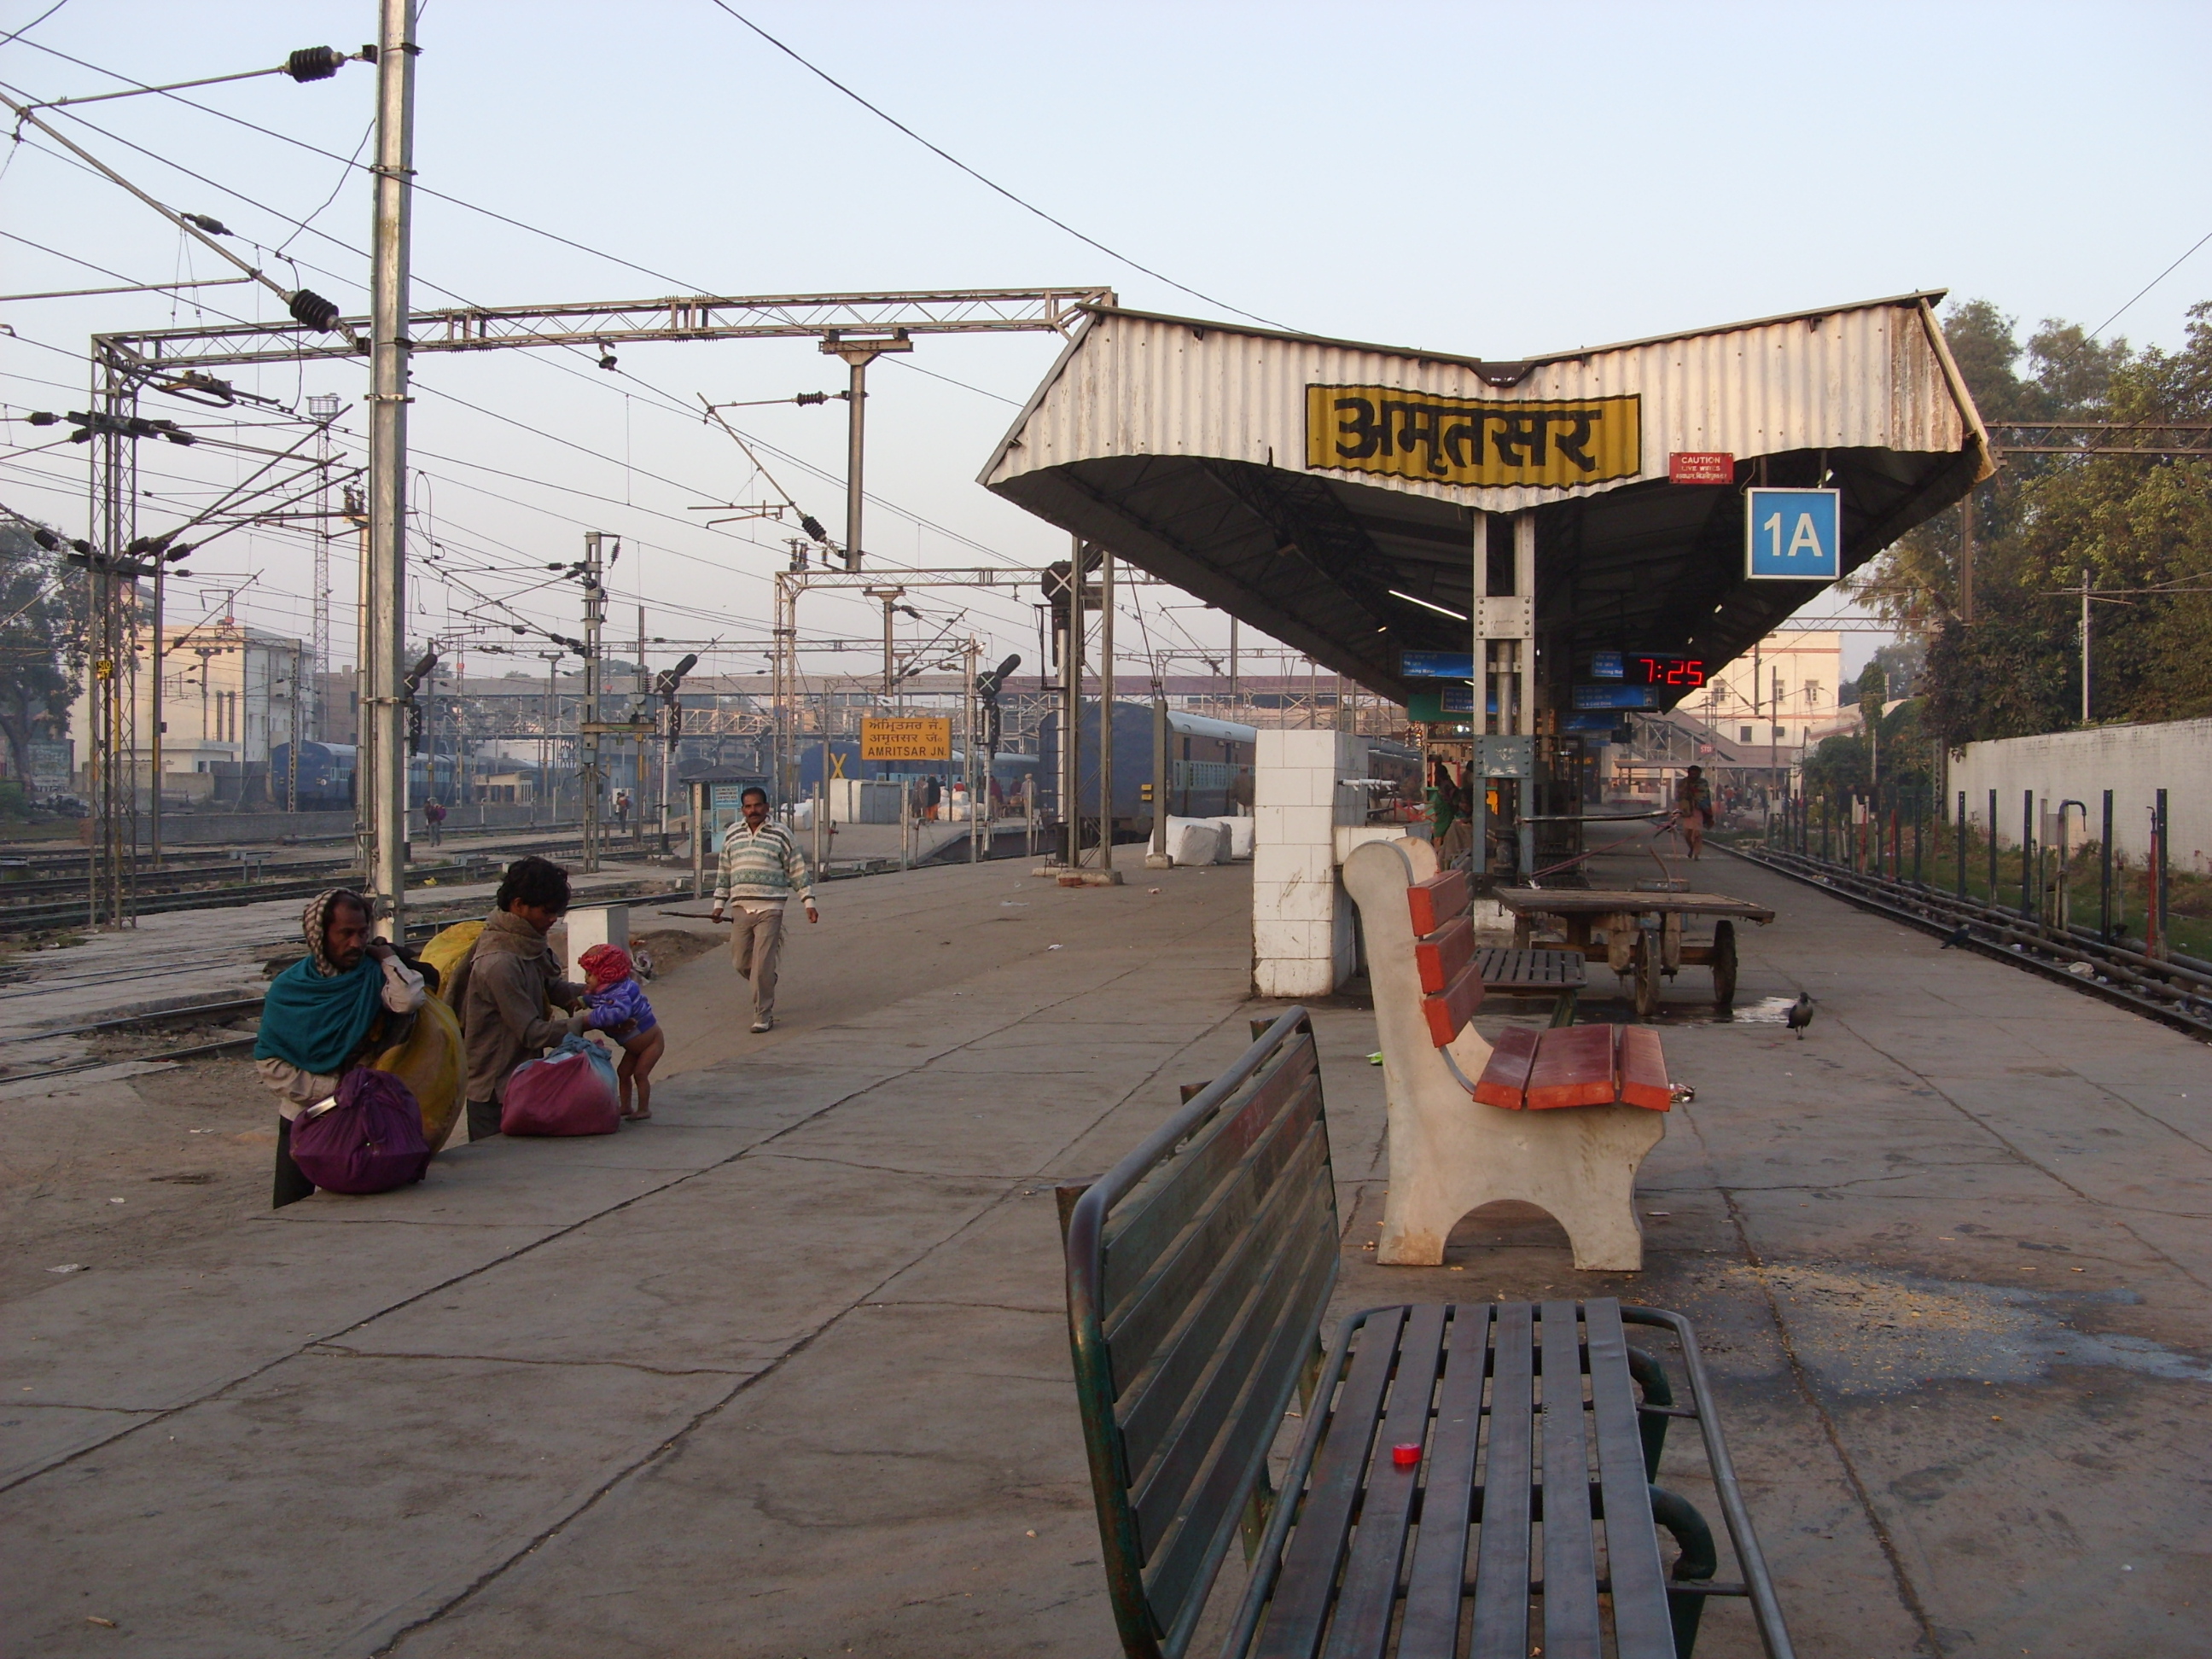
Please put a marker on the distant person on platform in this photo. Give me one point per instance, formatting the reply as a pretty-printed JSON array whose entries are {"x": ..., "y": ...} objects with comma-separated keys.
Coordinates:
[
  {"x": 621, "y": 810},
  {"x": 1694, "y": 807},
  {"x": 325, "y": 1014},
  {"x": 433, "y": 820},
  {"x": 762, "y": 870},
  {"x": 502, "y": 987}
]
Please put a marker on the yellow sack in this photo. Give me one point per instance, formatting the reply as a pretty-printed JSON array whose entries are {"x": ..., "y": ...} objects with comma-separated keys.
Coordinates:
[
  {"x": 444, "y": 952},
  {"x": 432, "y": 1063}
]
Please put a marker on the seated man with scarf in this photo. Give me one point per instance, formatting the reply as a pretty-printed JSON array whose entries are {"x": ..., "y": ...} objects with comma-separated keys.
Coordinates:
[
  {"x": 505, "y": 987},
  {"x": 327, "y": 1013}
]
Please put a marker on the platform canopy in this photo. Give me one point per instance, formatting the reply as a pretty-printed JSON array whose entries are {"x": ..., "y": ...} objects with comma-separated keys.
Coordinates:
[{"x": 1321, "y": 489}]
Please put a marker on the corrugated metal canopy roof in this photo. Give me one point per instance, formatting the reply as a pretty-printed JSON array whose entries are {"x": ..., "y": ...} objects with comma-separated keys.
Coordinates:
[{"x": 1209, "y": 455}]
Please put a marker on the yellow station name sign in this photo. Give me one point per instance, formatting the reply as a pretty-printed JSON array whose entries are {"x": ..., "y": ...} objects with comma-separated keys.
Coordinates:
[
  {"x": 906, "y": 738},
  {"x": 1490, "y": 443}
]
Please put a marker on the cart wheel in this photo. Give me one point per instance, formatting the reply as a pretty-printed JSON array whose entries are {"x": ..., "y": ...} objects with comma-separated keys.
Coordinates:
[
  {"x": 1647, "y": 976},
  {"x": 1723, "y": 966}
]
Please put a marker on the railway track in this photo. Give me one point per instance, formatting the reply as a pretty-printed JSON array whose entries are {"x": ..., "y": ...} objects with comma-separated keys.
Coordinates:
[
  {"x": 61, "y": 902},
  {"x": 2174, "y": 991}
]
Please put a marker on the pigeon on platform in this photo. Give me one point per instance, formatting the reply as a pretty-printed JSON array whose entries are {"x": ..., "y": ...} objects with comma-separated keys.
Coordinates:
[
  {"x": 1800, "y": 1015},
  {"x": 1962, "y": 934}
]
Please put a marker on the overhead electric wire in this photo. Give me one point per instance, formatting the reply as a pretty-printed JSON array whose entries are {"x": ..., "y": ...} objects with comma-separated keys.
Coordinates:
[
  {"x": 670, "y": 406},
  {"x": 989, "y": 184}
]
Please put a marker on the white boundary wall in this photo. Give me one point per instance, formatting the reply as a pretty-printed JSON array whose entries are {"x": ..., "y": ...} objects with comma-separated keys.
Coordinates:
[
  {"x": 2133, "y": 761},
  {"x": 1303, "y": 939}
]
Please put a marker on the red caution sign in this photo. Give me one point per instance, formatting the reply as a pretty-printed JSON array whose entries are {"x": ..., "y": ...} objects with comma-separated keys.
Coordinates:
[{"x": 1693, "y": 466}]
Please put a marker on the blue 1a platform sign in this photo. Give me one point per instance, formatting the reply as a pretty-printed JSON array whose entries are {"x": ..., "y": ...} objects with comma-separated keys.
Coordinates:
[{"x": 1794, "y": 535}]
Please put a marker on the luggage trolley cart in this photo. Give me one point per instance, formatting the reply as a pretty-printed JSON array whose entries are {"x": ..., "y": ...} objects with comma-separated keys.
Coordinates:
[{"x": 1643, "y": 932}]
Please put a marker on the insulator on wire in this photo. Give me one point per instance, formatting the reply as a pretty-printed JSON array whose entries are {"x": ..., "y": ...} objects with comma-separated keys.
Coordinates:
[
  {"x": 43, "y": 418},
  {"x": 313, "y": 64},
  {"x": 206, "y": 222},
  {"x": 812, "y": 526},
  {"x": 47, "y": 539},
  {"x": 311, "y": 310}
]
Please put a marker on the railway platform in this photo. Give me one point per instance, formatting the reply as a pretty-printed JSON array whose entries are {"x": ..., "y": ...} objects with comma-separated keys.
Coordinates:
[{"x": 785, "y": 1372}]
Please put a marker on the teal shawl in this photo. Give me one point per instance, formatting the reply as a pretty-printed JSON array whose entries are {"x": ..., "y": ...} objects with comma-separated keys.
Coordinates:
[{"x": 316, "y": 1021}]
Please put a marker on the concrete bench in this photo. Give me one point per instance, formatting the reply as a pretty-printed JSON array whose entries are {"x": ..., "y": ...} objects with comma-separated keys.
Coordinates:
[
  {"x": 1417, "y": 1504},
  {"x": 1462, "y": 1134}
]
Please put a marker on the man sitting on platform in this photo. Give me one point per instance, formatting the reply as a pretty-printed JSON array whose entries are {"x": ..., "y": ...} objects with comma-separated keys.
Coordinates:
[{"x": 505, "y": 987}]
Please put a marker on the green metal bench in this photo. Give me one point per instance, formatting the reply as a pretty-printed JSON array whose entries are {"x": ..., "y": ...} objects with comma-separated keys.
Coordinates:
[{"x": 1414, "y": 1518}]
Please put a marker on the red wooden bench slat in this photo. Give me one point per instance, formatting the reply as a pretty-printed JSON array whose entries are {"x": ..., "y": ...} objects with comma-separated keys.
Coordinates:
[
  {"x": 1438, "y": 899},
  {"x": 1449, "y": 1009},
  {"x": 1504, "y": 1081},
  {"x": 1444, "y": 953},
  {"x": 1573, "y": 1068},
  {"x": 1643, "y": 1069}
]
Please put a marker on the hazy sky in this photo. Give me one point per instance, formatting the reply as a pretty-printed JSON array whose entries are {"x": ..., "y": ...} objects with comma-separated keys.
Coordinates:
[{"x": 1491, "y": 180}]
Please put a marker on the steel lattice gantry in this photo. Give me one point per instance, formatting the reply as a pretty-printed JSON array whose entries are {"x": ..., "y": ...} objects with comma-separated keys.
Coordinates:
[
  {"x": 1222, "y": 459},
  {"x": 681, "y": 317}
]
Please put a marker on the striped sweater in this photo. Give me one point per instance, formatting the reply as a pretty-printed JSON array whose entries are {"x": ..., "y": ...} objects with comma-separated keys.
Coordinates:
[{"x": 761, "y": 864}]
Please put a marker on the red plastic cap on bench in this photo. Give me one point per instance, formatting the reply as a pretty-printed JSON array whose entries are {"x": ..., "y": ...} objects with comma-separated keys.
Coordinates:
[
  {"x": 1643, "y": 1069},
  {"x": 1449, "y": 1010},
  {"x": 1441, "y": 955},
  {"x": 1504, "y": 1081},
  {"x": 1574, "y": 1067},
  {"x": 1438, "y": 899}
]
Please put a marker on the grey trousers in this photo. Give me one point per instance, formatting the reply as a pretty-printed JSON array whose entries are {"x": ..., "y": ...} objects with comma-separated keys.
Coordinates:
[{"x": 756, "y": 949}]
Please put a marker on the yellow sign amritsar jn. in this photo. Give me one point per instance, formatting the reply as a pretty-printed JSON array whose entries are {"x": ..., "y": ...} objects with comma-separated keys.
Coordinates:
[
  {"x": 903, "y": 738},
  {"x": 1491, "y": 443}
]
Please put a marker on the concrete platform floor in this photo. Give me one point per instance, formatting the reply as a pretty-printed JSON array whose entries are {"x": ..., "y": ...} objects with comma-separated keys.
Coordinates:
[{"x": 785, "y": 1372}]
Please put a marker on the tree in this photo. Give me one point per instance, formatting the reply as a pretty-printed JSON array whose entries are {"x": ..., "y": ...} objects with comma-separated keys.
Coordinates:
[
  {"x": 40, "y": 662},
  {"x": 2138, "y": 525}
]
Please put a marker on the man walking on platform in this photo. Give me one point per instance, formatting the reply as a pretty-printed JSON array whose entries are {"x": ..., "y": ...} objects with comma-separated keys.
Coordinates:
[{"x": 761, "y": 869}]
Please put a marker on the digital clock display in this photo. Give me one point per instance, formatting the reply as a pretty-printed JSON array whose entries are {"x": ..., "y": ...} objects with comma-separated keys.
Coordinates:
[{"x": 1666, "y": 671}]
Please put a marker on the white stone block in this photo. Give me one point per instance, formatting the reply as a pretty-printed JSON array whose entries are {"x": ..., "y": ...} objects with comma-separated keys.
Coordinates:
[
  {"x": 1298, "y": 977},
  {"x": 607, "y": 924},
  {"x": 1303, "y": 826},
  {"x": 1282, "y": 864},
  {"x": 1275, "y": 940}
]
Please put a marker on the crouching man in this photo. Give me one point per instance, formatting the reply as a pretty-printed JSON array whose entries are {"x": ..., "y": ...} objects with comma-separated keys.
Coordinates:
[
  {"x": 327, "y": 1013},
  {"x": 503, "y": 989}
]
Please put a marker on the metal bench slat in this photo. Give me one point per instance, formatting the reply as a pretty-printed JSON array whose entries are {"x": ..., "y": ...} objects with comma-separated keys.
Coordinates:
[
  {"x": 1154, "y": 1309},
  {"x": 1504, "y": 1081},
  {"x": 1308, "y": 1582},
  {"x": 1449, "y": 1009},
  {"x": 1501, "y": 1562},
  {"x": 1162, "y": 1468},
  {"x": 1149, "y": 1402},
  {"x": 1360, "y": 1628},
  {"x": 1439, "y": 957},
  {"x": 1438, "y": 899},
  {"x": 1436, "y": 1584},
  {"x": 1155, "y": 1215},
  {"x": 1186, "y": 1562},
  {"x": 1571, "y": 1619},
  {"x": 1573, "y": 1068},
  {"x": 1641, "y": 1627}
]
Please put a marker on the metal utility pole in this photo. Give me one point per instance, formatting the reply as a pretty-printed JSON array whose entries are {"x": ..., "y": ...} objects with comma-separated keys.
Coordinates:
[
  {"x": 967, "y": 748},
  {"x": 385, "y": 649},
  {"x": 637, "y": 782},
  {"x": 2084, "y": 639},
  {"x": 1071, "y": 718},
  {"x": 890, "y": 598},
  {"x": 857, "y": 355},
  {"x": 323, "y": 407},
  {"x": 1106, "y": 713},
  {"x": 1967, "y": 556},
  {"x": 1236, "y": 696},
  {"x": 587, "y": 723}
]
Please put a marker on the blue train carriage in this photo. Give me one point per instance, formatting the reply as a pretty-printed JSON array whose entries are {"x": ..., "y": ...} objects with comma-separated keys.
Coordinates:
[
  {"x": 326, "y": 775},
  {"x": 1209, "y": 766}
]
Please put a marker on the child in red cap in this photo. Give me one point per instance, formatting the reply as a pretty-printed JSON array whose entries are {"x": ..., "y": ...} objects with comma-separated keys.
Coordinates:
[{"x": 619, "y": 1009}]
